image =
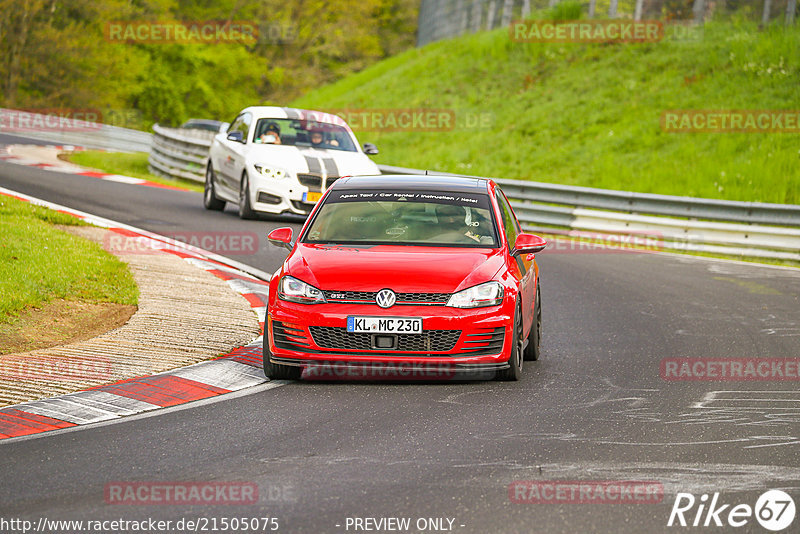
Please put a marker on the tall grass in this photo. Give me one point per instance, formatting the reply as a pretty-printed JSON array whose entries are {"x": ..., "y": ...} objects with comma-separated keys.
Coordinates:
[{"x": 589, "y": 114}]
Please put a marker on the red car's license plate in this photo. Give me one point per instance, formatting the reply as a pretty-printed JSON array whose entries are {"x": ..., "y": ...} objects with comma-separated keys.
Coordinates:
[{"x": 385, "y": 325}]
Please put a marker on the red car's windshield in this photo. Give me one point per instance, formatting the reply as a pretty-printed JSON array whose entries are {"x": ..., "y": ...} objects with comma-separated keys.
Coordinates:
[{"x": 405, "y": 218}]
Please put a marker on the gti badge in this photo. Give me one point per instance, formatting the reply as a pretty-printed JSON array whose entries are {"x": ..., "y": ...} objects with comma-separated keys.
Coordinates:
[{"x": 385, "y": 298}]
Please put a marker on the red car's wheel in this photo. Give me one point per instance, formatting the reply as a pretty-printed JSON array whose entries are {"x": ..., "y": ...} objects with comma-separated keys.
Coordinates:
[
  {"x": 276, "y": 371},
  {"x": 535, "y": 335},
  {"x": 514, "y": 372}
]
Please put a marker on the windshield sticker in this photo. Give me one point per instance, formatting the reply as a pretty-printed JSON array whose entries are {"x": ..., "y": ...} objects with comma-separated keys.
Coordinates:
[{"x": 404, "y": 196}]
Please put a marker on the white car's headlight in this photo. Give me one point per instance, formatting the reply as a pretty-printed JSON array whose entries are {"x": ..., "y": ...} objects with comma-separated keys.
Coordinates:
[
  {"x": 270, "y": 171},
  {"x": 488, "y": 294},
  {"x": 295, "y": 290}
]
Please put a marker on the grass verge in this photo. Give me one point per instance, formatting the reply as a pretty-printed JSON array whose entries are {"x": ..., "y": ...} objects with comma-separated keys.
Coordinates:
[{"x": 40, "y": 263}]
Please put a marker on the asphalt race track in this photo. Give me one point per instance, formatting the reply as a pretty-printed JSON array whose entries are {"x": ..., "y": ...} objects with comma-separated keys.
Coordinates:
[{"x": 594, "y": 408}]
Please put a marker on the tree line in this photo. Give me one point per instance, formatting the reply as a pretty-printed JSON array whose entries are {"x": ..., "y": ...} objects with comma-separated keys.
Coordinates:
[{"x": 60, "y": 54}]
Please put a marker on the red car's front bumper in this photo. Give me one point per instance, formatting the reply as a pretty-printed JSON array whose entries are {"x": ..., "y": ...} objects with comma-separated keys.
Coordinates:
[{"x": 458, "y": 339}]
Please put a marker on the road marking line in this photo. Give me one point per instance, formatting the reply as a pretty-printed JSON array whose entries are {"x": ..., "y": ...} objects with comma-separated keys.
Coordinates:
[
  {"x": 225, "y": 374},
  {"x": 239, "y": 370},
  {"x": 153, "y": 413}
]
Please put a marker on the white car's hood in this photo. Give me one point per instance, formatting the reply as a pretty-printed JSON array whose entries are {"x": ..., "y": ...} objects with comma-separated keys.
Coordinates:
[{"x": 312, "y": 160}]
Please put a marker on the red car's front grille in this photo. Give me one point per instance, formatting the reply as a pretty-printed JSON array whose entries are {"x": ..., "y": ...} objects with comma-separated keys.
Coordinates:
[
  {"x": 338, "y": 340},
  {"x": 428, "y": 341},
  {"x": 288, "y": 336},
  {"x": 488, "y": 341}
]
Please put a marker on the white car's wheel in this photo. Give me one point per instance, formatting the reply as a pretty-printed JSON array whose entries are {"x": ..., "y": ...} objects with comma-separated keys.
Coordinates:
[
  {"x": 245, "y": 210},
  {"x": 210, "y": 200}
]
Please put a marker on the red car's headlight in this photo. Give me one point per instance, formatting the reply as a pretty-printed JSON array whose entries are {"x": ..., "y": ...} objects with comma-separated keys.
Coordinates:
[
  {"x": 488, "y": 294},
  {"x": 295, "y": 290}
]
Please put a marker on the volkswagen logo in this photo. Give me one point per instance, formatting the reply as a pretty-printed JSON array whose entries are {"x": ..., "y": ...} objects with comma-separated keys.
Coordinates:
[{"x": 385, "y": 298}]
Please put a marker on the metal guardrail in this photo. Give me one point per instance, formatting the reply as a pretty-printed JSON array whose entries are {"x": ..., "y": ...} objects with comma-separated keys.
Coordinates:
[
  {"x": 180, "y": 153},
  {"x": 751, "y": 229},
  {"x": 442, "y": 19},
  {"x": 587, "y": 197},
  {"x": 70, "y": 132}
]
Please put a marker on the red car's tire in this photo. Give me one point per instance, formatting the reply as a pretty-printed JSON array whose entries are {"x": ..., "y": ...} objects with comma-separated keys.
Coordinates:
[
  {"x": 276, "y": 371},
  {"x": 514, "y": 372},
  {"x": 532, "y": 351}
]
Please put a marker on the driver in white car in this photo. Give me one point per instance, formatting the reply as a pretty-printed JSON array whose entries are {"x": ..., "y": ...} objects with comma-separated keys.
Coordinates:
[
  {"x": 318, "y": 140},
  {"x": 271, "y": 136}
]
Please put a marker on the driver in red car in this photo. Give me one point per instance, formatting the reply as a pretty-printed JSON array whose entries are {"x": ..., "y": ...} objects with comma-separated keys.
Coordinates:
[{"x": 453, "y": 226}]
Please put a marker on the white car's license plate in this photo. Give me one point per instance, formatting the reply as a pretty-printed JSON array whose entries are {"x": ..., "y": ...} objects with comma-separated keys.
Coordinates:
[
  {"x": 311, "y": 197},
  {"x": 385, "y": 325}
]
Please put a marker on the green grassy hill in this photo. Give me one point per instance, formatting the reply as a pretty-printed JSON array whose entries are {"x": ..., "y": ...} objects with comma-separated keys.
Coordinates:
[{"x": 589, "y": 114}]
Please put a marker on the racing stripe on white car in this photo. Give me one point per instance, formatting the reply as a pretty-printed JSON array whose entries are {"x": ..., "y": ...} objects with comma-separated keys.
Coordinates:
[
  {"x": 331, "y": 169},
  {"x": 314, "y": 165},
  {"x": 292, "y": 113}
]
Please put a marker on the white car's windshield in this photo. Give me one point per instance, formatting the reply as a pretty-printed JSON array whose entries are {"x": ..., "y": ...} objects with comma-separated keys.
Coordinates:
[
  {"x": 303, "y": 133},
  {"x": 405, "y": 218}
]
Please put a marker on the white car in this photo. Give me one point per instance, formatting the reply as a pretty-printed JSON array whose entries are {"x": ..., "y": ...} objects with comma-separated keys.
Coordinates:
[{"x": 280, "y": 160}]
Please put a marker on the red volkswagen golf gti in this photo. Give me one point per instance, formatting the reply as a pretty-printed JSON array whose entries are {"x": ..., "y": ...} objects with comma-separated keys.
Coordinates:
[{"x": 404, "y": 276}]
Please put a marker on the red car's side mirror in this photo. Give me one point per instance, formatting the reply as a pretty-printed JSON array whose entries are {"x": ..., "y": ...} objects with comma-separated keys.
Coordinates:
[
  {"x": 528, "y": 244},
  {"x": 281, "y": 237}
]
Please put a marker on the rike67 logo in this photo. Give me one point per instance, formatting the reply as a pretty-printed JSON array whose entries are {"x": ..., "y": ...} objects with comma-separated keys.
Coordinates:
[{"x": 774, "y": 510}]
